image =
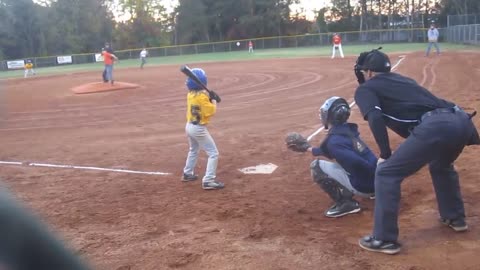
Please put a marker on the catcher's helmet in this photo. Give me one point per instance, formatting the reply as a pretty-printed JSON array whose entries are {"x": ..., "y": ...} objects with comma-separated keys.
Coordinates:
[
  {"x": 376, "y": 61},
  {"x": 334, "y": 111},
  {"x": 192, "y": 85}
]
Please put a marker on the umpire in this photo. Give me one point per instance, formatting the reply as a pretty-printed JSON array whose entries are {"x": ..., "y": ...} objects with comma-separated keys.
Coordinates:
[{"x": 436, "y": 131}]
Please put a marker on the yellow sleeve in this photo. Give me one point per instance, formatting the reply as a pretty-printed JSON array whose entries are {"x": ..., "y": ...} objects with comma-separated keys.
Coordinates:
[{"x": 208, "y": 108}]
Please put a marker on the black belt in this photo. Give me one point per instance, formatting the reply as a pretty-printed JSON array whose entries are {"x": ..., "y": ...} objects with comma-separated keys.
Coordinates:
[{"x": 440, "y": 110}]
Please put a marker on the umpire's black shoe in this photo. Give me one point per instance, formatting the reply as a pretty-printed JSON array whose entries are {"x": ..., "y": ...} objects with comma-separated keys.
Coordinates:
[
  {"x": 371, "y": 244},
  {"x": 343, "y": 208},
  {"x": 458, "y": 225},
  {"x": 189, "y": 177}
]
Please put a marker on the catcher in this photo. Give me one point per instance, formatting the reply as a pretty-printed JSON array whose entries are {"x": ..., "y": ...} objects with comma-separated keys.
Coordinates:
[{"x": 354, "y": 172}]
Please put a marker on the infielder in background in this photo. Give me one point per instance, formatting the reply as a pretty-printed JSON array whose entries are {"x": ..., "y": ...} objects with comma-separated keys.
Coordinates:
[
  {"x": 29, "y": 68},
  {"x": 200, "y": 109},
  {"x": 433, "y": 35},
  {"x": 337, "y": 45},
  {"x": 109, "y": 59},
  {"x": 143, "y": 57},
  {"x": 250, "y": 46},
  {"x": 435, "y": 132},
  {"x": 354, "y": 170},
  {"x": 27, "y": 244}
]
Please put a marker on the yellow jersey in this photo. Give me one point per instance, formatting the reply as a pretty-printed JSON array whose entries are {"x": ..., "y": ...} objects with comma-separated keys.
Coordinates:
[
  {"x": 199, "y": 107},
  {"x": 28, "y": 66}
]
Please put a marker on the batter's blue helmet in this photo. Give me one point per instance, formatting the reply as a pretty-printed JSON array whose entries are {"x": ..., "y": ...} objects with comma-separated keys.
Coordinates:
[{"x": 192, "y": 85}]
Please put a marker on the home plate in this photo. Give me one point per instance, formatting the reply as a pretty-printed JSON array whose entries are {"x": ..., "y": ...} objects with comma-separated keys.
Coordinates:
[{"x": 260, "y": 169}]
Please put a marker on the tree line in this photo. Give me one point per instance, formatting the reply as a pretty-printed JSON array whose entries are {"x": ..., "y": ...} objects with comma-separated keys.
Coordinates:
[{"x": 57, "y": 27}]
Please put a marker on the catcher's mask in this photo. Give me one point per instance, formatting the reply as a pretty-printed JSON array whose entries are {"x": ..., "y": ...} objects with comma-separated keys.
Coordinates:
[
  {"x": 334, "y": 111},
  {"x": 375, "y": 61},
  {"x": 192, "y": 85}
]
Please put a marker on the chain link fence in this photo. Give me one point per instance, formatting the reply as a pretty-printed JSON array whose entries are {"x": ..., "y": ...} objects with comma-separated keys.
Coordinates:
[
  {"x": 464, "y": 29},
  {"x": 464, "y": 34},
  {"x": 453, "y": 20},
  {"x": 306, "y": 40}
]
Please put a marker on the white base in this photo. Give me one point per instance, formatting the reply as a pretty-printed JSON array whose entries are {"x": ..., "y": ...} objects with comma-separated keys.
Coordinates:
[{"x": 260, "y": 169}]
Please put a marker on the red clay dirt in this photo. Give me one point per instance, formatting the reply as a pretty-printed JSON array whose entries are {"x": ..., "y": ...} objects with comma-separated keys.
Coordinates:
[
  {"x": 134, "y": 221},
  {"x": 95, "y": 87}
]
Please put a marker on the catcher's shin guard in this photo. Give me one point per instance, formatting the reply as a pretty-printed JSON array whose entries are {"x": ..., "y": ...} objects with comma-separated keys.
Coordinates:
[{"x": 334, "y": 189}]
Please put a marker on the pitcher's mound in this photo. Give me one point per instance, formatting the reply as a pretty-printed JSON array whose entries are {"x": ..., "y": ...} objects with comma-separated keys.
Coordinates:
[{"x": 102, "y": 87}]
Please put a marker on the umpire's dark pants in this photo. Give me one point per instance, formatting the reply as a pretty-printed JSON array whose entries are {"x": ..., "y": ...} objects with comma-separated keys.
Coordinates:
[{"x": 438, "y": 140}]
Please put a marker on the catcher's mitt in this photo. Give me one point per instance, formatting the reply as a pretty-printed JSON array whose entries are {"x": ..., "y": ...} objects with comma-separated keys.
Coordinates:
[{"x": 296, "y": 142}]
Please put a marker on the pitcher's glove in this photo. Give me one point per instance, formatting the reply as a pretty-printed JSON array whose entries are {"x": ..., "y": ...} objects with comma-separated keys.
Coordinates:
[{"x": 296, "y": 142}]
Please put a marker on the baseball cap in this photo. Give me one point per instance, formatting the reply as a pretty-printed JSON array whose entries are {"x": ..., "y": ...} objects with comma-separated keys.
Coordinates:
[{"x": 377, "y": 61}]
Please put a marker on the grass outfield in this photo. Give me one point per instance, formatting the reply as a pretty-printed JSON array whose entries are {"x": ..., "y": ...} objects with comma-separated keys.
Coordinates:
[{"x": 237, "y": 56}]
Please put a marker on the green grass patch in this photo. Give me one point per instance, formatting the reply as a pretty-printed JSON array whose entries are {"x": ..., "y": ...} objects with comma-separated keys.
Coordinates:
[{"x": 349, "y": 50}]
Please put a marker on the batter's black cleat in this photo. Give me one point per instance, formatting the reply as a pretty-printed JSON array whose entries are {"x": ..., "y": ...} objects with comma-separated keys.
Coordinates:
[
  {"x": 458, "y": 225},
  {"x": 213, "y": 185},
  {"x": 371, "y": 244},
  {"x": 189, "y": 177},
  {"x": 343, "y": 208}
]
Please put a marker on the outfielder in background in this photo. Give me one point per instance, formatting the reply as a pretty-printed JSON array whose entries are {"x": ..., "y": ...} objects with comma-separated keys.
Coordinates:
[
  {"x": 250, "y": 46},
  {"x": 27, "y": 244},
  {"x": 433, "y": 35},
  {"x": 200, "y": 109},
  {"x": 108, "y": 59},
  {"x": 435, "y": 132},
  {"x": 28, "y": 69},
  {"x": 143, "y": 57},
  {"x": 354, "y": 170},
  {"x": 336, "y": 45}
]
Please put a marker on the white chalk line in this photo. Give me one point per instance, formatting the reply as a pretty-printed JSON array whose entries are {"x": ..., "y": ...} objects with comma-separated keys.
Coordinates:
[
  {"x": 353, "y": 103},
  {"x": 34, "y": 164}
]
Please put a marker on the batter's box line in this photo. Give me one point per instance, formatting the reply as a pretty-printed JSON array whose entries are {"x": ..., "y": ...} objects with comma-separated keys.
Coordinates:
[{"x": 34, "y": 164}]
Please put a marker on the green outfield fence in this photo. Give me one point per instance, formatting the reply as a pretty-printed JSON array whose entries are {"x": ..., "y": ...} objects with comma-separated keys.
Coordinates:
[{"x": 307, "y": 40}]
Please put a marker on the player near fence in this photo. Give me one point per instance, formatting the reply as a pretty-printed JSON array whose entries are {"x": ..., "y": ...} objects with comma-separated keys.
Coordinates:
[
  {"x": 29, "y": 70},
  {"x": 336, "y": 45},
  {"x": 250, "y": 46},
  {"x": 143, "y": 57},
  {"x": 435, "y": 131},
  {"x": 433, "y": 35},
  {"x": 200, "y": 109},
  {"x": 353, "y": 173}
]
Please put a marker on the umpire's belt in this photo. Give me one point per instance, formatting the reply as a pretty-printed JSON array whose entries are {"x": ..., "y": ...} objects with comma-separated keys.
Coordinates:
[{"x": 440, "y": 110}]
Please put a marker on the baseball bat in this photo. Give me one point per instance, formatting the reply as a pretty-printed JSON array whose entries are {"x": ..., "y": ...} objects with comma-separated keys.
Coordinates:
[{"x": 188, "y": 72}]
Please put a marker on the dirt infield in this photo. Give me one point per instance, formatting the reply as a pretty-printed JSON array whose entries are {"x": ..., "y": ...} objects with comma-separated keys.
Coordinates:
[{"x": 137, "y": 221}]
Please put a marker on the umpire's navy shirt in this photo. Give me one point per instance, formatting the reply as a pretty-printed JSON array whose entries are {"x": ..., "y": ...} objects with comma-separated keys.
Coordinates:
[{"x": 394, "y": 101}]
